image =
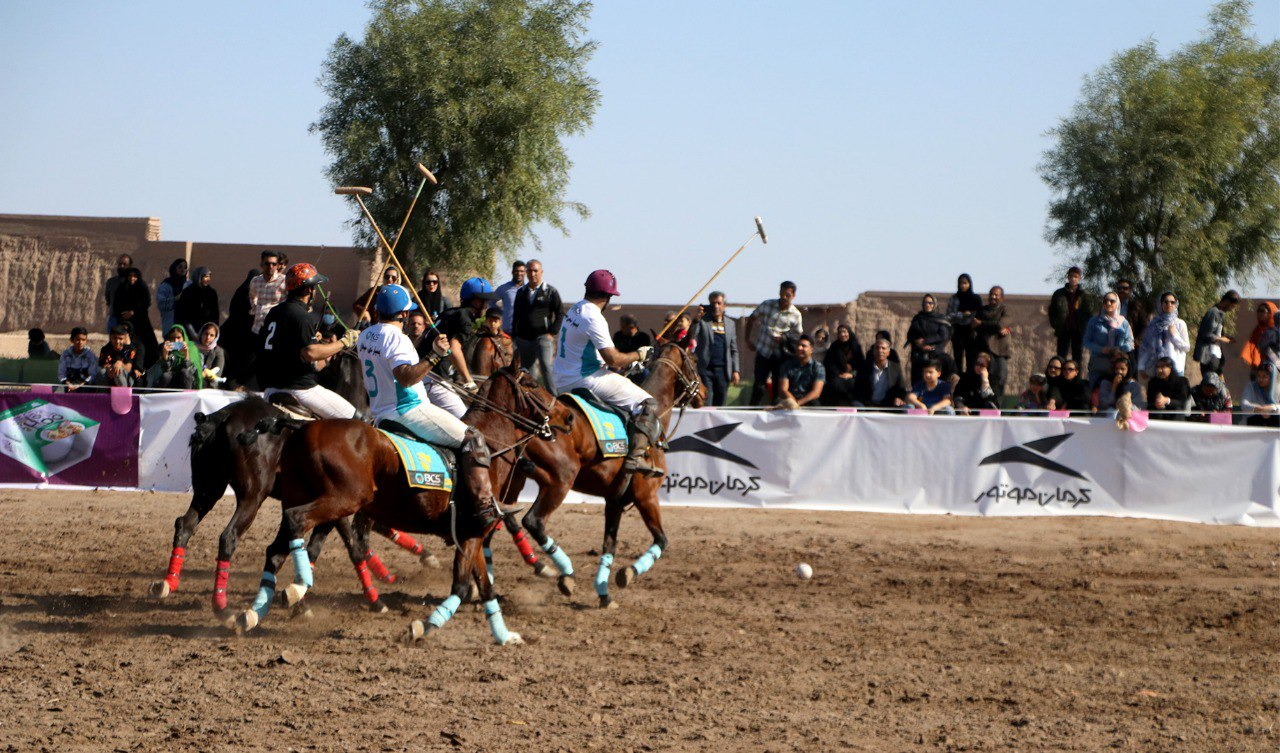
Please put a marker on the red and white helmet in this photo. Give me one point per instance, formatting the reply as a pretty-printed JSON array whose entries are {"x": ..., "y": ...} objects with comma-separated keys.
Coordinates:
[
  {"x": 302, "y": 274},
  {"x": 602, "y": 282}
]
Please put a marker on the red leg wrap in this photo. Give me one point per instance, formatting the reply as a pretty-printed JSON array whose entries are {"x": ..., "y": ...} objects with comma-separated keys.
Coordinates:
[
  {"x": 406, "y": 541},
  {"x": 366, "y": 581},
  {"x": 380, "y": 570},
  {"x": 526, "y": 549},
  {"x": 220, "y": 585},
  {"x": 175, "y": 567}
]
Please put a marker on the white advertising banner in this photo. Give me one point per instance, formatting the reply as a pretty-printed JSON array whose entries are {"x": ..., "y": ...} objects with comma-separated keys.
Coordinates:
[{"x": 876, "y": 462}]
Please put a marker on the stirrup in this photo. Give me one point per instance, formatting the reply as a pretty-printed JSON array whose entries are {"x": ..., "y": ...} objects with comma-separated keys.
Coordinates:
[{"x": 637, "y": 465}]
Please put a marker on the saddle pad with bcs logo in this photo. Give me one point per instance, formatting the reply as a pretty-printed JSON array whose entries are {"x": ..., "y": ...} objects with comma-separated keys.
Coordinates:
[
  {"x": 610, "y": 431},
  {"x": 424, "y": 466}
]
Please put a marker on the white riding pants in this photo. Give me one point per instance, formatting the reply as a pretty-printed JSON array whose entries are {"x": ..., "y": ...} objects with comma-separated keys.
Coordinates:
[
  {"x": 432, "y": 424},
  {"x": 321, "y": 401},
  {"x": 611, "y": 388},
  {"x": 443, "y": 397}
]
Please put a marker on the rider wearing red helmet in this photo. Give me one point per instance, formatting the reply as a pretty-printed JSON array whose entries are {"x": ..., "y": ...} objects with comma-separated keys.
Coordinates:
[
  {"x": 584, "y": 357},
  {"x": 288, "y": 350}
]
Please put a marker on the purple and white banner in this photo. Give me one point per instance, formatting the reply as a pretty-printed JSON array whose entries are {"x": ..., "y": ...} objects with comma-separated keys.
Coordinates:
[{"x": 69, "y": 439}]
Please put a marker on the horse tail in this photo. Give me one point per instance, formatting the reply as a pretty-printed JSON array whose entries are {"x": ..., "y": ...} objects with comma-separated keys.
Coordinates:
[
  {"x": 269, "y": 425},
  {"x": 205, "y": 429}
]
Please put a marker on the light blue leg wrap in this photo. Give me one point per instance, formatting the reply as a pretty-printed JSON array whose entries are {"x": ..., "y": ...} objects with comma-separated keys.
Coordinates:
[
  {"x": 496, "y": 623},
  {"x": 602, "y": 575},
  {"x": 445, "y": 611},
  {"x": 266, "y": 592},
  {"x": 558, "y": 557},
  {"x": 488, "y": 562},
  {"x": 301, "y": 562},
  {"x": 647, "y": 559}
]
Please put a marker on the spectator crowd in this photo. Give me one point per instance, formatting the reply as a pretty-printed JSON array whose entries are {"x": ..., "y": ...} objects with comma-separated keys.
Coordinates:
[{"x": 1112, "y": 354}]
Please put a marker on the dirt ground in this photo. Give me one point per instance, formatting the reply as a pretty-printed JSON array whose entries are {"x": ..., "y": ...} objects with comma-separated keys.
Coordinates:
[{"x": 916, "y": 633}]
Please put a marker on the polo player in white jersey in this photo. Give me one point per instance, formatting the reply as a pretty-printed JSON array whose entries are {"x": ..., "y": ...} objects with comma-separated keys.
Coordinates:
[
  {"x": 393, "y": 376},
  {"x": 584, "y": 357}
]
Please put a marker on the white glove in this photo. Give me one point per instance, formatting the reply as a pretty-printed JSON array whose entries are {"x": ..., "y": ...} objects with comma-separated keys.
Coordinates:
[
  {"x": 440, "y": 345},
  {"x": 471, "y": 387},
  {"x": 349, "y": 338},
  {"x": 643, "y": 352}
]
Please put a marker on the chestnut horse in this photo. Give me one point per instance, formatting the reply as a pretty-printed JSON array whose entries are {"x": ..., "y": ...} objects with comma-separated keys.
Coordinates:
[
  {"x": 331, "y": 469},
  {"x": 490, "y": 353},
  {"x": 576, "y": 463},
  {"x": 239, "y": 446}
]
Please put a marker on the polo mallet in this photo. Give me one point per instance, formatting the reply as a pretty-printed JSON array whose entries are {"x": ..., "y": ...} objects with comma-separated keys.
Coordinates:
[
  {"x": 427, "y": 177},
  {"x": 763, "y": 239},
  {"x": 360, "y": 191}
]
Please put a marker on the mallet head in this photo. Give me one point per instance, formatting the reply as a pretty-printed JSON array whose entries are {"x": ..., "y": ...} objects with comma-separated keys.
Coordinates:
[
  {"x": 760, "y": 229},
  {"x": 353, "y": 190},
  {"x": 427, "y": 174}
]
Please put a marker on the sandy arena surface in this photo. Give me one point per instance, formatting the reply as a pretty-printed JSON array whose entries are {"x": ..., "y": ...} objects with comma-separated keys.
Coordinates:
[{"x": 916, "y": 633}]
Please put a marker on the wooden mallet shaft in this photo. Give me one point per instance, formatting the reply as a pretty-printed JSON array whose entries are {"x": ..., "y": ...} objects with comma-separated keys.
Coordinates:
[
  {"x": 392, "y": 253},
  {"x": 759, "y": 231},
  {"x": 427, "y": 177}
]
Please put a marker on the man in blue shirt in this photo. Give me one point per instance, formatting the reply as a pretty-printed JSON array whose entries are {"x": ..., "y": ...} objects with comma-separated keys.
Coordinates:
[
  {"x": 505, "y": 294},
  {"x": 802, "y": 377}
]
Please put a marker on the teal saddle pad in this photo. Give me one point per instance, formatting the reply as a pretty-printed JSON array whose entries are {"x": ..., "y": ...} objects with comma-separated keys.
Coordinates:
[
  {"x": 424, "y": 466},
  {"x": 609, "y": 428}
]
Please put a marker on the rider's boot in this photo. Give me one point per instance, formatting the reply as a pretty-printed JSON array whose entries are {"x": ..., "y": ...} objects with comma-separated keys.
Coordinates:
[
  {"x": 475, "y": 462},
  {"x": 645, "y": 432}
]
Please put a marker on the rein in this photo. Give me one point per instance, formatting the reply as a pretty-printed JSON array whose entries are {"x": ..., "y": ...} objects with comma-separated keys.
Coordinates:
[{"x": 688, "y": 389}]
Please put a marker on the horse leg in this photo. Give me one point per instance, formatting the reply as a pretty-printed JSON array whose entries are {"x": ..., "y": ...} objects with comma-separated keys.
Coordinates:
[
  {"x": 487, "y": 550},
  {"x": 534, "y": 521},
  {"x": 468, "y": 571},
  {"x": 247, "y": 505},
  {"x": 407, "y": 543},
  {"x": 613, "y": 509},
  {"x": 295, "y": 520},
  {"x": 355, "y": 534},
  {"x": 202, "y": 501},
  {"x": 277, "y": 550},
  {"x": 522, "y": 544},
  {"x": 647, "y": 506}
]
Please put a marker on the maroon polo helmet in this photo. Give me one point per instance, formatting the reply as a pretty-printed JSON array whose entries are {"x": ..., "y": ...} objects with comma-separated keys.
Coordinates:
[{"x": 602, "y": 282}]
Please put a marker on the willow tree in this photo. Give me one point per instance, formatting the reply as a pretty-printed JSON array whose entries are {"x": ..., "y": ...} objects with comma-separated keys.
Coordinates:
[
  {"x": 1166, "y": 170},
  {"x": 482, "y": 92}
]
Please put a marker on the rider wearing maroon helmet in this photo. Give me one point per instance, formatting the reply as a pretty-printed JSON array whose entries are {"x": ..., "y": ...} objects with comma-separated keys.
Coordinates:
[
  {"x": 288, "y": 350},
  {"x": 584, "y": 356}
]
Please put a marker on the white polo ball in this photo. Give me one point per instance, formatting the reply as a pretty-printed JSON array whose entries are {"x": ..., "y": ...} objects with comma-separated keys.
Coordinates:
[{"x": 803, "y": 571}]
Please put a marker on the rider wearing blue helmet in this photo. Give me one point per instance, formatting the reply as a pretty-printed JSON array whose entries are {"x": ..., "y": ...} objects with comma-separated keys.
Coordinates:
[
  {"x": 393, "y": 375},
  {"x": 462, "y": 323}
]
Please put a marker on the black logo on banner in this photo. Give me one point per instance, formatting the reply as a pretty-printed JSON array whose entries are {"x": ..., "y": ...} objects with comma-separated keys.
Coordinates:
[
  {"x": 706, "y": 442},
  {"x": 1035, "y": 453}
]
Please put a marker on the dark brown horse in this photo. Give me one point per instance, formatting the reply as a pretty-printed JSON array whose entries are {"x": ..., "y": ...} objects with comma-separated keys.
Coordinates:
[
  {"x": 239, "y": 446},
  {"x": 331, "y": 469},
  {"x": 489, "y": 353},
  {"x": 575, "y": 462}
]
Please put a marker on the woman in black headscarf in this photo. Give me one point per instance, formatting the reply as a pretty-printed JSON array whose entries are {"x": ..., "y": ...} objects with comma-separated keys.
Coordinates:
[
  {"x": 842, "y": 362},
  {"x": 199, "y": 302},
  {"x": 237, "y": 338},
  {"x": 928, "y": 335},
  {"x": 132, "y": 304},
  {"x": 960, "y": 310}
]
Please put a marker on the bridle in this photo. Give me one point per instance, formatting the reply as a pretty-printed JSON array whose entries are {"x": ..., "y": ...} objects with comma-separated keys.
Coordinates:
[{"x": 690, "y": 387}]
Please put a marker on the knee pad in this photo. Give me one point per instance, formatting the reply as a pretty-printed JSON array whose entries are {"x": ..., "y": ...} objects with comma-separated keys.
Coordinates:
[{"x": 475, "y": 446}]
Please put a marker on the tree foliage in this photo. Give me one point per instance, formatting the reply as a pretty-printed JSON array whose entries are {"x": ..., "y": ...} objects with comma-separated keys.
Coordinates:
[
  {"x": 1166, "y": 170},
  {"x": 482, "y": 92}
]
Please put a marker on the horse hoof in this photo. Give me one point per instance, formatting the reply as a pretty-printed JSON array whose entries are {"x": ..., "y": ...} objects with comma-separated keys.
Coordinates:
[
  {"x": 301, "y": 611},
  {"x": 607, "y": 602},
  {"x": 248, "y": 620},
  {"x": 541, "y": 570},
  {"x": 626, "y": 575},
  {"x": 160, "y": 589},
  {"x": 430, "y": 560},
  {"x": 566, "y": 585},
  {"x": 418, "y": 631},
  {"x": 513, "y": 639},
  {"x": 389, "y": 578},
  {"x": 294, "y": 592},
  {"x": 378, "y": 607}
]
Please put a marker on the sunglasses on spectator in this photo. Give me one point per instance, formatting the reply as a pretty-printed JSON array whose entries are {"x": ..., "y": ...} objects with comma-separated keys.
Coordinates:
[
  {"x": 1054, "y": 368},
  {"x": 271, "y": 264},
  {"x": 433, "y": 282},
  {"x": 1070, "y": 368}
]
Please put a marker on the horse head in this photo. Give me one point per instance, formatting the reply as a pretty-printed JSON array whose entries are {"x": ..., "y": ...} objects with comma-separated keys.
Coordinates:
[
  {"x": 686, "y": 387},
  {"x": 515, "y": 390}
]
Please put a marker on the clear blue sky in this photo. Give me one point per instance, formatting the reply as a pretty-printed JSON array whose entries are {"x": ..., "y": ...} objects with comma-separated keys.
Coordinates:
[{"x": 888, "y": 146}]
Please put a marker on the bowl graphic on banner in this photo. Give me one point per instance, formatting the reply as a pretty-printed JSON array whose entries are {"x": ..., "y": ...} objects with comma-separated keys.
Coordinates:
[{"x": 46, "y": 438}]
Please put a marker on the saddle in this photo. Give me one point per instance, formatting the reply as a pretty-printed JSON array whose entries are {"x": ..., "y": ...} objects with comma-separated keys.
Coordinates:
[
  {"x": 610, "y": 425},
  {"x": 426, "y": 466},
  {"x": 599, "y": 404}
]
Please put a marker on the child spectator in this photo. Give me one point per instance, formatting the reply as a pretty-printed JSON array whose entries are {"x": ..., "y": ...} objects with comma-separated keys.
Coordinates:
[
  {"x": 1035, "y": 397},
  {"x": 1168, "y": 391},
  {"x": 931, "y": 394},
  {"x": 37, "y": 346},
  {"x": 213, "y": 358},
  {"x": 78, "y": 365},
  {"x": 116, "y": 360}
]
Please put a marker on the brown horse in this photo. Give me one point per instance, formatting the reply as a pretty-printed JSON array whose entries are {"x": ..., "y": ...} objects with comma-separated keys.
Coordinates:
[
  {"x": 331, "y": 469},
  {"x": 489, "y": 353},
  {"x": 577, "y": 463},
  {"x": 239, "y": 446}
]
